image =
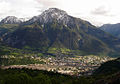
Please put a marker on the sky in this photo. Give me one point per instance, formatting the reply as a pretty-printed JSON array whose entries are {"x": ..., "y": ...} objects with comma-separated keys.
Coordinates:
[{"x": 98, "y": 12}]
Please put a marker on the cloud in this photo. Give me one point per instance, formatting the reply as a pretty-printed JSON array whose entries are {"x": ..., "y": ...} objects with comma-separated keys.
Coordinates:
[
  {"x": 18, "y": 8},
  {"x": 4, "y": 8},
  {"x": 47, "y": 3},
  {"x": 24, "y": 8},
  {"x": 101, "y": 11}
]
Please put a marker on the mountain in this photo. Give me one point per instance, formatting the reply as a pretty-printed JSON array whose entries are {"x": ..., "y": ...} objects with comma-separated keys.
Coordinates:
[
  {"x": 10, "y": 20},
  {"x": 9, "y": 24},
  {"x": 54, "y": 28},
  {"x": 109, "y": 67},
  {"x": 52, "y": 14},
  {"x": 7, "y": 28},
  {"x": 108, "y": 72},
  {"x": 113, "y": 29}
]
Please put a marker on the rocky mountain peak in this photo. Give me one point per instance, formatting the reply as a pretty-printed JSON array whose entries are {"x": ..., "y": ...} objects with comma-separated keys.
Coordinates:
[
  {"x": 11, "y": 20},
  {"x": 50, "y": 15},
  {"x": 54, "y": 12}
]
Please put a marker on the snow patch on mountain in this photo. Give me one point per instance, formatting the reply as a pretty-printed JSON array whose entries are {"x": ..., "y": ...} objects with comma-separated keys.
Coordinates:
[
  {"x": 52, "y": 14},
  {"x": 11, "y": 20}
]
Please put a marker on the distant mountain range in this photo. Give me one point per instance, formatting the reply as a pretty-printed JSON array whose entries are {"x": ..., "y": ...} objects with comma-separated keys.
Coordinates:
[
  {"x": 113, "y": 29},
  {"x": 54, "y": 28}
]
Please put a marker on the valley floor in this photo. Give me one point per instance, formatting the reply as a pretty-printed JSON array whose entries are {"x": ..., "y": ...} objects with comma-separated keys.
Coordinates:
[{"x": 79, "y": 65}]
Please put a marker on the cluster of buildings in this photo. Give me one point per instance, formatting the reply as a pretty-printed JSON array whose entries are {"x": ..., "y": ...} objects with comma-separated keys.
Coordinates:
[{"x": 77, "y": 65}]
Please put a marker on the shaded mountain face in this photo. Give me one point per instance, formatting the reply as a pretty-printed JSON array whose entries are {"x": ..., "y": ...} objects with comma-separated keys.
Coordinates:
[
  {"x": 11, "y": 20},
  {"x": 108, "y": 72},
  {"x": 6, "y": 28},
  {"x": 8, "y": 25},
  {"x": 113, "y": 29},
  {"x": 55, "y": 28},
  {"x": 109, "y": 67}
]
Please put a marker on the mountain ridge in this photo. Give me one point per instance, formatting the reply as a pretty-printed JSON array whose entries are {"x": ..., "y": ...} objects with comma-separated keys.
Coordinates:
[
  {"x": 55, "y": 28},
  {"x": 113, "y": 29},
  {"x": 11, "y": 20}
]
